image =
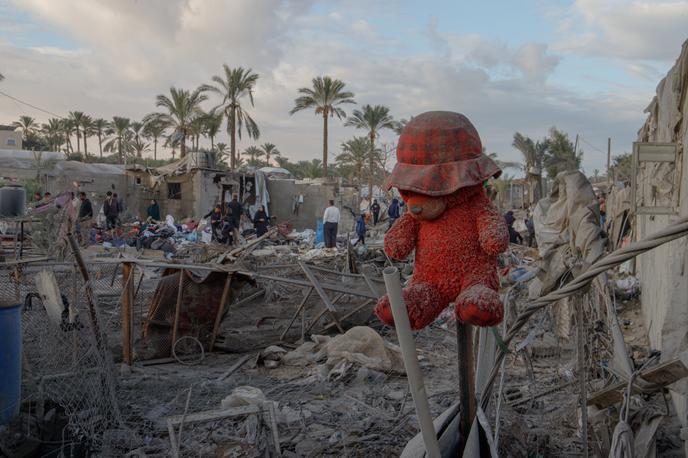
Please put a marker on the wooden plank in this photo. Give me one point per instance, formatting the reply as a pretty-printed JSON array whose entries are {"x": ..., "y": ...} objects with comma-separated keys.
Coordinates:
[
  {"x": 177, "y": 310},
  {"x": 211, "y": 415},
  {"x": 234, "y": 367},
  {"x": 220, "y": 311},
  {"x": 298, "y": 310},
  {"x": 127, "y": 305},
  {"x": 323, "y": 295},
  {"x": 466, "y": 379},
  {"x": 664, "y": 374}
]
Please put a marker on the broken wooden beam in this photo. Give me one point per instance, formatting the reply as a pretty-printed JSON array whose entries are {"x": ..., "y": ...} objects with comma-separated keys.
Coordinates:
[{"x": 661, "y": 375}]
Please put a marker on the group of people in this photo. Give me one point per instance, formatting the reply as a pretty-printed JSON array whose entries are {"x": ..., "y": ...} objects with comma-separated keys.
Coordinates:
[{"x": 225, "y": 222}]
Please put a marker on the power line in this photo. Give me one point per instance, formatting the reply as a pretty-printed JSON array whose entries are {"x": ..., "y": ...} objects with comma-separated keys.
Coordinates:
[
  {"x": 30, "y": 105},
  {"x": 592, "y": 146}
]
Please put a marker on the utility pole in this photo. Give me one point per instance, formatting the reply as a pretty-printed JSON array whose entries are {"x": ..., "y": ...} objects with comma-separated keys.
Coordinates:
[
  {"x": 609, "y": 161},
  {"x": 575, "y": 146}
]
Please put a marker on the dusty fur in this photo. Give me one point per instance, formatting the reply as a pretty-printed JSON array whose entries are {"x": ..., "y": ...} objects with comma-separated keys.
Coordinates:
[{"x": 456, "y": 259}]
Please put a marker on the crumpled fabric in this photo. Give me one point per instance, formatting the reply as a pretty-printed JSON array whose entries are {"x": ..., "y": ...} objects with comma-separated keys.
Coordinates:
[{"x": 622, "y": 441}]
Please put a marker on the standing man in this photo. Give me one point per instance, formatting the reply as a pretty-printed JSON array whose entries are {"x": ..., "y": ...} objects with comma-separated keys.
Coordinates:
[
  {"x": 111, "y": 210},
  {"x": 84, "y": 217},
  {"x": 331, "y": 220},
  {"x": 375, "y": 208},
  {"x": 235, "y": 211}
]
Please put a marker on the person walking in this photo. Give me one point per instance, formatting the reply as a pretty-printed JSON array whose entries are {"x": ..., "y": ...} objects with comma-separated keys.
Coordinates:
[
  {"x": 393, "y": 212},
  {"x": 360, "y": 230},
  {"x": 514, "y": 236},
  {"x": 234, "y": 210},
  {"x": 260, "y": 221},
  {"x": 530, "y": 225},
  {"x": 215, "y": 216},
  {"x": 111, "y": 210},
  {"x": 331, "y": 221},
  {"x": 375, "y": 209},
  {"x": 153, "y": 210},
  {"x": 84, "y": 217}
]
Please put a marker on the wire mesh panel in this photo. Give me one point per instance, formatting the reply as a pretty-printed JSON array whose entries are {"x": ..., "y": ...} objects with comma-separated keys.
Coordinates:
[{"x": 65, "y": 361}]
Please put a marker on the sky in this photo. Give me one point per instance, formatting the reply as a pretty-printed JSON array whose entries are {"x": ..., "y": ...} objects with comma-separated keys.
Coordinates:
[{"x": 588, "y": 67}]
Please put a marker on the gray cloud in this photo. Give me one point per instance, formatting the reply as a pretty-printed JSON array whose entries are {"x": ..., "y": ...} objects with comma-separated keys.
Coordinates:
[{"x": 131, "y": 50}]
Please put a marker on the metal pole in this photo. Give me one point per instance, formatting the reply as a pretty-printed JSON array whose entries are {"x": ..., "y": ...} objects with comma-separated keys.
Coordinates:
[
  {"x": 609, "y": 161},
  {"x": 465, "y": 354},
  {"x": 127, "y": 303},
  {"x": 178, "y": 309},
  {"x": 408, "y": 352}
]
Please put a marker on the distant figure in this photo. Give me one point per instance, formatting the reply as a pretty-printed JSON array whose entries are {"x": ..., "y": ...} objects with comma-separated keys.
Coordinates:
[
  {"x": 37, "y": 197},
  {"x": 514, "y": 236},
  {"x": 375, "y": 209},
  {"x": 603, "y": 210},
  {"x": 84, "y": 217},
  {"x": 153, "y": 210},
  {"x": 331, "y": 220},
  {"x": 530, "y": 225},
  {"x": 360, "y": 229},
  {"x": 228, "y": 228},
  {"x": 110, "y": 210},
  {"x": 234, "y": 210},
  {"x": 215, "y": 216},
  {"x": 47, "y": 196},
  {"x": 260, "y": 221},
  {"x": 393, "y": 212}
]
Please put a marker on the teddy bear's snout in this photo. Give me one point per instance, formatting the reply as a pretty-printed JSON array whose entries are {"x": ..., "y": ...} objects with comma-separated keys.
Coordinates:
[
  {"x": 424, "y": 208},
  {"x": 416, "y": 209}
]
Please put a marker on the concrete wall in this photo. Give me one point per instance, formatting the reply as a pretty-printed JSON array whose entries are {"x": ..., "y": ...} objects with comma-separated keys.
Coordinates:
[
  {"x": 663, "y": 272},
  {"x": 315, "y": 200}
]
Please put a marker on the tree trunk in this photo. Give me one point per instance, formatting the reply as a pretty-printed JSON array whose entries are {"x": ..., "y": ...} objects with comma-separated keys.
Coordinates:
[
  {"x": 100, "y": 144},
  {"x": 325, "y": 113},
  {"x": 371, "y": 166},
  {"x": 119, "y": 150},
  {"x": 182, "y": 147},
  {"x": 78, "y": 140},
  {"x": 232, "y": 140},
  {"x": 155, "y": 148},
  {"x": 212, "y": 143},
  {"x": 85, "y": 148}
]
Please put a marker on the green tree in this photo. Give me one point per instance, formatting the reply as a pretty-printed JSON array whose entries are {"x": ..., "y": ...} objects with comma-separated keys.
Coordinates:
[
  {"x": 373, "y": 119},
  {"x": 67, "y": 131},
  {"x": 77, "y": 118},
  {"x": 88, "y": 129},
  {"x": 353, "y": 158},
  {"x": 253, "y": 153},
  {"x": 182, "y": 107},
  {"x": 534, "y": 156},
  {"x": 121, "y": 140},
  {"x": 221, "y": 151},
  {"x": 154, "y": 129},
  {"x": 213, "y": 124},
  {"x": 232, "y": 86},
  {"x": 52, "y": 131},
  {"x": 560, "y": 154},
  {"x": 270, "y": 151},
  {"x": 28, "y": 126},
  {"x": 622, "y": 167},
  {"x": 324, "y": 97},
  {"x": 100, "y": 127}
]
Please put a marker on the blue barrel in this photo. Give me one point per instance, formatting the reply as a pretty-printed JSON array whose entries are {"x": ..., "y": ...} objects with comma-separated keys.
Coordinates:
[
  {"x": 319, "y": 231},
  {"x": 10, "y": 361}
]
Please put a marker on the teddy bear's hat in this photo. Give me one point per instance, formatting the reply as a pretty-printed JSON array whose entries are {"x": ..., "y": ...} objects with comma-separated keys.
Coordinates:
[{"x": 438, "y": 153}]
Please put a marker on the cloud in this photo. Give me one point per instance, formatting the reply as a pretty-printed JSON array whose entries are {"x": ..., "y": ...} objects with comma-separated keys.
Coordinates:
[
  {"x": 626, "y": 29},
  {"x": 129, "y": 51}
]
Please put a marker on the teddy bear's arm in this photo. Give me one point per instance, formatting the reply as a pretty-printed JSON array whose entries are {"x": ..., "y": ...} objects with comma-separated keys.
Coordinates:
[
  {"x": 400, "y": 240},
  {"x": 493, "y": 234}
]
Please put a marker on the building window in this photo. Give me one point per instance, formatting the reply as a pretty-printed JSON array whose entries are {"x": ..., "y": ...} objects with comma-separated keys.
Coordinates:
[
  {"x": 138, "y": 180},
  {"x": 11, "y": 142},
  {"x": 174, "y": 191}
]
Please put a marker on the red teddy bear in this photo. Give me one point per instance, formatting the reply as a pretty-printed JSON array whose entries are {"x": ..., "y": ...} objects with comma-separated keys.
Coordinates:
[{"x": 455, "y": 229}]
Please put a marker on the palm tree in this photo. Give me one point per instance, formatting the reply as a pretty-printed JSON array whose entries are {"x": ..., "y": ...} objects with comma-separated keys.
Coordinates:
[
  {"x": 53, "y": 133},
  {"x": 534, "y": 156},
  {"x": 138, "y": 131},
  {"x": 324, "y": 97},
  {"x": 67, "y": 130},
  {"x": 155, "y": 128},
  {"x": 354, "y": 157},
  {"x": 99, "y": 128},
  {"x": 372, "y": 119},
  {"x": 270, "y": 151},
  {"x": 88, "y": 129},
  {"x": 503, "y": 164},
  {"x": 254, "y": 154},
  {"x": 221, "y": 149},
  {"x": 182, "y": 107},
  {"x": 213, "y": 124},
  {"x": 28, "y": 126},
  {"x": 120, "y": 142},
  {"x": 77, "y": 118},
  {"x": 235, "y": 84}
]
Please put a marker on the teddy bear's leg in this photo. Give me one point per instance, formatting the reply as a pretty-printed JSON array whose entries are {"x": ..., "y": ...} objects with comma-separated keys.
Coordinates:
[
  {"x": 479, "y": 305},
  {"x": 423, "y": 302}
]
